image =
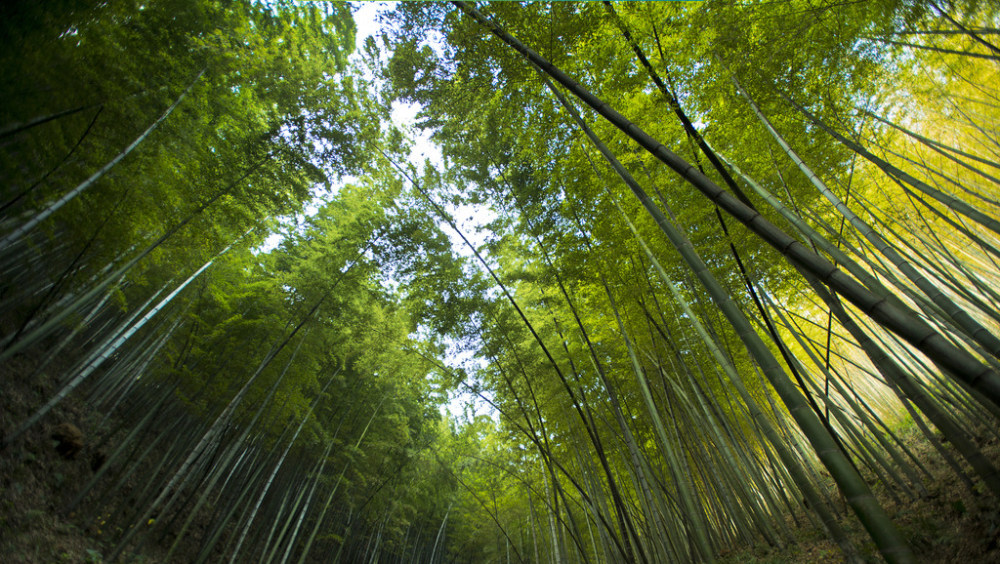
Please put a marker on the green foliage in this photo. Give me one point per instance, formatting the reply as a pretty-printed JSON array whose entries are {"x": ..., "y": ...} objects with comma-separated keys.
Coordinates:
[{"x": 293, "y": 391}]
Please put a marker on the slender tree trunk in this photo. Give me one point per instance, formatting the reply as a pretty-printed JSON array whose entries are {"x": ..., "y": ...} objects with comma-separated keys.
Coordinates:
[{"x": 55, "y": 206}]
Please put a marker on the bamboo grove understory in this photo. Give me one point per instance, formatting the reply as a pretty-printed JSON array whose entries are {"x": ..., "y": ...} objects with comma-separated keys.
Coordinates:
[{"x": 730, "y": 264}]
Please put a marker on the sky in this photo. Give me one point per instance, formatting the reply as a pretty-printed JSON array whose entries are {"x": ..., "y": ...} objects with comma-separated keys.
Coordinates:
[
  {"x": 402, "y": 114},
  {"x": 405, "y": 117}
]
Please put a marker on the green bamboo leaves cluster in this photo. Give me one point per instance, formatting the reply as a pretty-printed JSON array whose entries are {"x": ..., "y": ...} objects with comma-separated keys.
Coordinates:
[
  {"x": 581, "y": 282},
  {"x": 149, "y": 149}
]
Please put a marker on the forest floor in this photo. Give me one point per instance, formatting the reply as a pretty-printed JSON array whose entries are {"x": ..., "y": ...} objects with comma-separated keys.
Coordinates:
[
  {"x": 37, "y": 483},
  {"x": 948, "y": 524}
]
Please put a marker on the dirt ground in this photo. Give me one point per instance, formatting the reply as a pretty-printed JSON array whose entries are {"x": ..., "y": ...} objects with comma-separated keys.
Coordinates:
[{"x": 949, "y": 524}]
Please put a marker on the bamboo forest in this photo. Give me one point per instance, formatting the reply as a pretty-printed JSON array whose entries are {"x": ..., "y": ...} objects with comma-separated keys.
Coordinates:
[{"x": 296, "y": 281}]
